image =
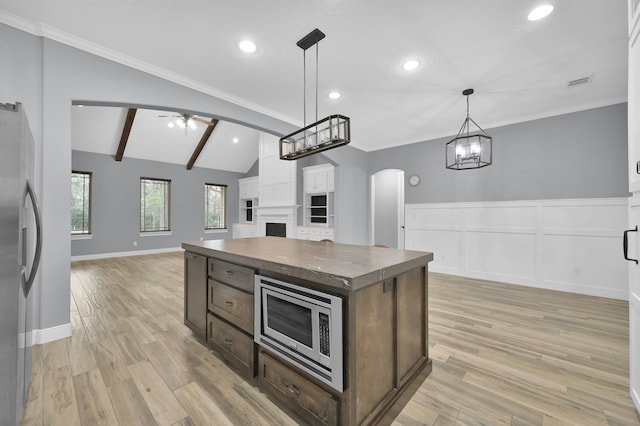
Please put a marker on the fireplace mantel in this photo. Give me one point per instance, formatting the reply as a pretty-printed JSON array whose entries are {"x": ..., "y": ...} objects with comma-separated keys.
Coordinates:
[{"x": 277, "y": 214}]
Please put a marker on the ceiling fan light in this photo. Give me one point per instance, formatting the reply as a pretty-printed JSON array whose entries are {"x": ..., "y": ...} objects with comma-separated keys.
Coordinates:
[
  {"x": 180, "y": 124},
  {"x": 191, "y": 124},
  {"x": 171, "y": 125}
]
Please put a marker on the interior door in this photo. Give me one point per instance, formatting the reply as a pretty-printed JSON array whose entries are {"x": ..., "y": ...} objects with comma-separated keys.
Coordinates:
[{"x": 387, "y": 208}]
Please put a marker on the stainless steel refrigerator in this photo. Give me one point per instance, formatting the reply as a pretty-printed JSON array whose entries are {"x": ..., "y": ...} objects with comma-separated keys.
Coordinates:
[{"x": 20, "y": 245}]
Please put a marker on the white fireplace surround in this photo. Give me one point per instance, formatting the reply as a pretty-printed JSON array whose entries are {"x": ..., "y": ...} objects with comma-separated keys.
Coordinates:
[{"x": 277, "y": 214}]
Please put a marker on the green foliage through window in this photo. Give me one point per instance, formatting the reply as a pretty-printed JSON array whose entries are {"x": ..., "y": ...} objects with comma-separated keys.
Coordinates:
[
  {"x": 154, "y": 205},
  {"x": 215, "y": 204},
  {"x": 80, "y": 203}
]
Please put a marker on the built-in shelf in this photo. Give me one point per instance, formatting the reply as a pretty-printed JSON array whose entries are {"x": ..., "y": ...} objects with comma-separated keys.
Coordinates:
[
  {"x": 248, "y": 196},
  {"x": 318, "y": 195}
]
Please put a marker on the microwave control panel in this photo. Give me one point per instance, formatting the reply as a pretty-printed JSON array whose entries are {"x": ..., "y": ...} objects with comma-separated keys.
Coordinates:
[{"x": 324, "y": 334}]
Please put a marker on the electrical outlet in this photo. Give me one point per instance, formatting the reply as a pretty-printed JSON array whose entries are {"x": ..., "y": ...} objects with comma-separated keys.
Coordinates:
[{"x": 135, "y": 243}]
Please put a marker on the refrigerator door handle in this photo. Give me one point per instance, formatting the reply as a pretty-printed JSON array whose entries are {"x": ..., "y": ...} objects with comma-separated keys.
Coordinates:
[
  {"x": 28, "y": 281},
  {"x": 625, "y": 244}
]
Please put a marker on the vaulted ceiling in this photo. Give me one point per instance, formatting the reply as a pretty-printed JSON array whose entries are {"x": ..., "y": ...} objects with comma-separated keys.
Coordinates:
[{"x": 519, "y": 69}]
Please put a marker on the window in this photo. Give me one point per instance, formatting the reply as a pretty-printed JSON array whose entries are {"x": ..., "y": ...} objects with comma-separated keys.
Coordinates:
[
  {"x": 154, "y": 205},
  {"x": 215, "y": 206},
  {"x": 80, "y": 203}
]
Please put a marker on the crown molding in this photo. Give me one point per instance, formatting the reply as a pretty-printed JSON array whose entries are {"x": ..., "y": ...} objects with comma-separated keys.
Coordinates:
[
  {"x": 51, "y": 33},
  {"x": 516, "y": 120}
]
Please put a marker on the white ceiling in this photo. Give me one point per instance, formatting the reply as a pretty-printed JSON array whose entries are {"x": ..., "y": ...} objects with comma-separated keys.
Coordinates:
[
  {"x": 98, "y": 129},
  {"x": 519, "y": 69}
]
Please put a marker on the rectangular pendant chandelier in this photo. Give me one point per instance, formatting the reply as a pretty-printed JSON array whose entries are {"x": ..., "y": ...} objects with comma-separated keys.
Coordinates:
[{"x": 330, "y": 132}]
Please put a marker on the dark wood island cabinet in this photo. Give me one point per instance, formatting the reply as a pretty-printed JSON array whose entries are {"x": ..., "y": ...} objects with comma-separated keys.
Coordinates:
[{"x": 384, "y": 321}]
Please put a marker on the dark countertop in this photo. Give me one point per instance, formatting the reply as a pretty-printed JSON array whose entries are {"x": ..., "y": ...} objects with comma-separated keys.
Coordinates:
[{"x": 343, "y": 266}]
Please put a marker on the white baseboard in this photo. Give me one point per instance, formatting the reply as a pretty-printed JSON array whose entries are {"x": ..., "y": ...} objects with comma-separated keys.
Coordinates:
[
  {"x": 39, "y": 337},
  {"x": 548, "y": 285},
  {"x": 125, "y": 253}
]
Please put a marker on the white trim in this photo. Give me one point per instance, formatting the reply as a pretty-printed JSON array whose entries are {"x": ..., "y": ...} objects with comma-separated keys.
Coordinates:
[
  {"x": 154, "y": 233},
  {"x": 125, "y": 253},
  {"x": 372, "y": 209},
  {"x": 216, "y": 231},
  {"x": 400, "y": 213},
  {"x": 548, "y": 284},
  {"x": 39, "y": 337},
  {"x": 81, "y": 236},
  {"x": 55, "y": 34},
  {"x": 508, "y": 122}
]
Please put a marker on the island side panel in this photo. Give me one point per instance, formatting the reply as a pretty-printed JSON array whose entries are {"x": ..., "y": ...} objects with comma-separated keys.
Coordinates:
[
  {"x": 412, "y": 322},
  {"x": 374, "y": 344}
]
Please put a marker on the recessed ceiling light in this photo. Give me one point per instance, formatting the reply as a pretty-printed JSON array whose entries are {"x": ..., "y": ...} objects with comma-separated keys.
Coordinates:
[
  {"x": 80, "y": 106},
  {"x": 247, "y": 46},
  {"x": 236, "y": 140},
  {"x": 540, "y": 12},
  {"x": 411, "y": 64},
  {"x": 335, "y": 95}
]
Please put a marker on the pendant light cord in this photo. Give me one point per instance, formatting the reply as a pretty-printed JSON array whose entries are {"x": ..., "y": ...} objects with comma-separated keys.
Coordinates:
[
  {"x": 316, "y": 83},
  {"x": 467, "y": 121},
  {"x": 304, "y": 87}
]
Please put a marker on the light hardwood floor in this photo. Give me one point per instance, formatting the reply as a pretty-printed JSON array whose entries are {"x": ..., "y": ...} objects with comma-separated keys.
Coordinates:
[{"x": 502, "y": 355}]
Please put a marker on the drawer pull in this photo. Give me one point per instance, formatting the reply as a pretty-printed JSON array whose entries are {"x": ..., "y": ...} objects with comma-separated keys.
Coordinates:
[
  {"x": 228, "y": 272},
  {"x": 228, "y": 342},
  {"x": 228, "y": 303},
  {"x": 292, "y": 388}
]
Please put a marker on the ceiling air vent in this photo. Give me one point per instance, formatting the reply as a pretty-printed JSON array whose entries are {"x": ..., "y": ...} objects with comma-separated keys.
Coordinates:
[{"x": 579, "y": 81}]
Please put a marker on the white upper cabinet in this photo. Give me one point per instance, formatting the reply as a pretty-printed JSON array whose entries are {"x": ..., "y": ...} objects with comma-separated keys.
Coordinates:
[{"x": 318, "y": 178}]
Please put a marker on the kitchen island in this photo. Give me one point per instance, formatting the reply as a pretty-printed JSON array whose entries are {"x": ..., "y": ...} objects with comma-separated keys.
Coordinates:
[{"x": 383, "y": 294}]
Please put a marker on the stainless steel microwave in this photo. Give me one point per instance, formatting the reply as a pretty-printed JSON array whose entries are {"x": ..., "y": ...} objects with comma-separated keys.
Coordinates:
[{"x": 302, "y": 325}]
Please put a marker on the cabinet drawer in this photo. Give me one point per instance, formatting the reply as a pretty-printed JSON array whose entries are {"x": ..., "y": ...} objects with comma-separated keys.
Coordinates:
[
  {"x": 300, "y": 395},
  {"x": 231, "y": 344},
  {"x": 236, "y": 306},
  {"x": 234, "y": 275}
]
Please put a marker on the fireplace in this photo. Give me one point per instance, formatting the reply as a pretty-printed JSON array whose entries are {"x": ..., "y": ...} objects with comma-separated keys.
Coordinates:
[
  {"x": 277, "y": 221},
  {"x": 276, "y": 229}
]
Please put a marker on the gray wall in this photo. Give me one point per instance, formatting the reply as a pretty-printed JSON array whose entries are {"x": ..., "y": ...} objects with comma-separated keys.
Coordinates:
[
  {"x": 351, "y": 197},
  {"x": 115, "y": 203},
  {"x": 577, "y": 155}
]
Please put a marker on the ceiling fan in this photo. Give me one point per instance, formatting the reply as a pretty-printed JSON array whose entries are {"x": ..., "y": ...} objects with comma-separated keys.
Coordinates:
[{"x": 185, "y": 121}]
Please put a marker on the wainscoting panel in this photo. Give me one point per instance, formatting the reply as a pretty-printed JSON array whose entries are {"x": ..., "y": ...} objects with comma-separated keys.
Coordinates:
[
  {"x": 445, "y": 245},
  {"x": 566, "y": 245},
  {"x": 512, "y": 255},
  {"x": 569, "y": 260}
]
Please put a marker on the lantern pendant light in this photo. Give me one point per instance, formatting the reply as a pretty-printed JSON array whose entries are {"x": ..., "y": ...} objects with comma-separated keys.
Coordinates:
[{"x": 470, "y": 149}]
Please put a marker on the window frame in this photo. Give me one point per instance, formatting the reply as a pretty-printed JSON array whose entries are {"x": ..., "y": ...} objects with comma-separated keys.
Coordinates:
[
  {"x": 82, "y": 234},
  {"x": 224, "y": 187},
  {"x": 167, "y": 205}
]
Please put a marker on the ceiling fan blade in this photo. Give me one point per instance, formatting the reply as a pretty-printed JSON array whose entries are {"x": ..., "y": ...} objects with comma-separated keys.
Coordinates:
[{"x": 203, "y": 120}]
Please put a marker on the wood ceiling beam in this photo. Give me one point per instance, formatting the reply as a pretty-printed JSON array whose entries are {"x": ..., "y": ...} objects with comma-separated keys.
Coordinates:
[
  {"x": 203, "y": 141},
  {"x": 126, "y": 130}
]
